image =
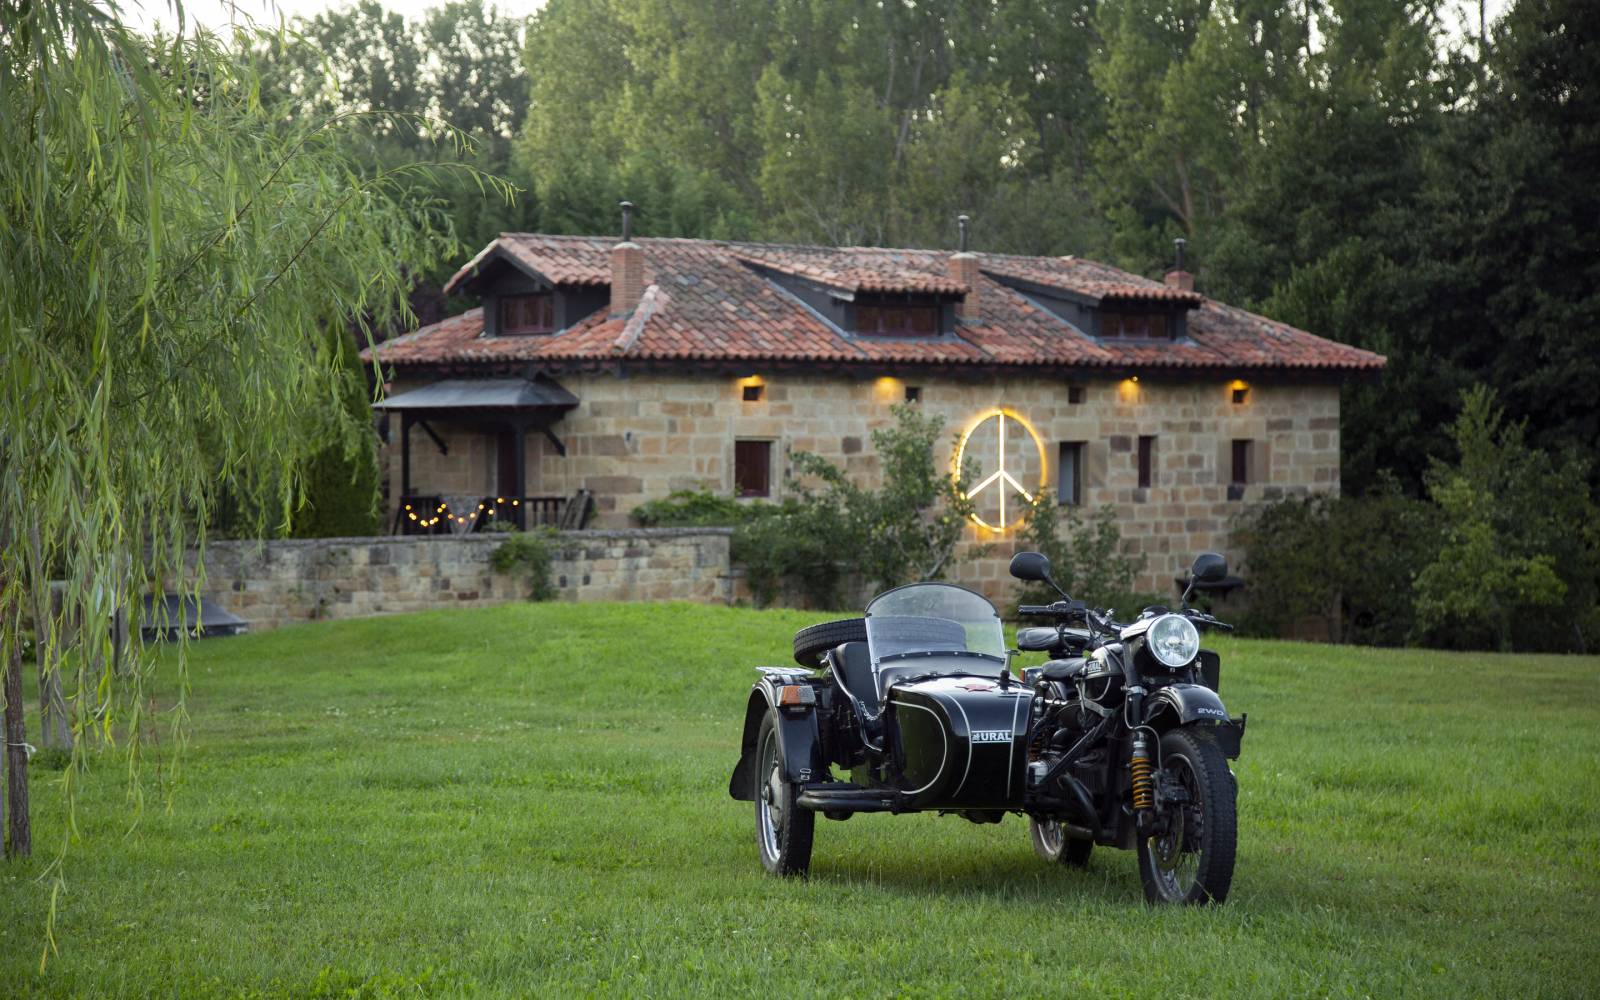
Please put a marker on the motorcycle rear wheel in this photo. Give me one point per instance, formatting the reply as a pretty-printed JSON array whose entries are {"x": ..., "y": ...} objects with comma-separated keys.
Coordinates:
[
  {"x": 1190, "y": 860},
  {"x": 1055, "y": 845},
  {"x": 783, "y": 828}
]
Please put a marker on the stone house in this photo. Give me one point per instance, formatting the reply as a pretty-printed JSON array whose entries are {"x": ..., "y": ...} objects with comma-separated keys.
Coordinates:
[{"x": 617, "y": 371}]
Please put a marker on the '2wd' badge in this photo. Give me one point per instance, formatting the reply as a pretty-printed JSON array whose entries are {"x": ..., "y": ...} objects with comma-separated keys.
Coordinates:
[{"x": 991, "y": 736}]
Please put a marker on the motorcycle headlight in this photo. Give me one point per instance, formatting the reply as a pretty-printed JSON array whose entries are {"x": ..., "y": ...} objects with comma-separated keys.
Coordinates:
[{"x": 1173, "y": 640}]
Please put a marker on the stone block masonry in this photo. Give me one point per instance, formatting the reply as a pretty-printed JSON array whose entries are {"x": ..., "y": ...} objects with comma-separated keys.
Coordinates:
[
  {"x": 280, "y": 582},
  {"x": 639, "y": 438}
]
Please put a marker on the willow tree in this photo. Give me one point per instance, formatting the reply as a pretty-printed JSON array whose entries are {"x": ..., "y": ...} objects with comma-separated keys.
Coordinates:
[{"x": 173, "y": 254}]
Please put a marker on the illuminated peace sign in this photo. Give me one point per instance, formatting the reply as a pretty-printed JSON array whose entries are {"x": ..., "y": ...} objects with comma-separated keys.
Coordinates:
[{"x": 997, "y": 443}]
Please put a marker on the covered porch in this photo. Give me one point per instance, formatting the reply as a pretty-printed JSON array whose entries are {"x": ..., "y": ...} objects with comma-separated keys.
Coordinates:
[{"x": 507, "y": 413}]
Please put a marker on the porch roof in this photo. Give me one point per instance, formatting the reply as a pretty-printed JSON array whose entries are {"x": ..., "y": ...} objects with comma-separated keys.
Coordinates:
[{"x": 481, "y": 394}]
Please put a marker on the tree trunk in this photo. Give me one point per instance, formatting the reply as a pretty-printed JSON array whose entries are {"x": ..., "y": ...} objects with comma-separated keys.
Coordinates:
[{"x": 19, "y": 833}]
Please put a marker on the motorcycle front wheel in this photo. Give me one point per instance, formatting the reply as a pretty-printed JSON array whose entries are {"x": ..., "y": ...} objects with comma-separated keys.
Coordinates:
[{"x": 1189, "y": 858}]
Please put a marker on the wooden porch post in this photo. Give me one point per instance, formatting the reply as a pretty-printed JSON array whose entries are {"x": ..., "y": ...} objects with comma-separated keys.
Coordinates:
[
  {"x": 405, "y": 453},
  {"x": 519, "y": 461}
]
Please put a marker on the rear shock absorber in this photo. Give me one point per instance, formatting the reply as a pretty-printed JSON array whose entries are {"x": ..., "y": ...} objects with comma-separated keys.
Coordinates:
[{"x": 1142, "y": 773}]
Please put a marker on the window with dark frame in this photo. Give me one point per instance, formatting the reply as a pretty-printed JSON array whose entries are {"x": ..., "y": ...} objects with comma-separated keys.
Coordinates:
[
  {"x": 1134, "y": 325},
  {"x": 1243, "y": 467},
  {"x": 1241, "y": 463},
  {"x": 913, "y": 393},
  {"x": 885, "y": 316},
  {"x": 752, "y": 468},
  {"x": 1069, "y": 473},
  {"x": 1074, "y": 394},
  {"x": 1147, "y": 460},
  {"x": 523, "y": 315}
]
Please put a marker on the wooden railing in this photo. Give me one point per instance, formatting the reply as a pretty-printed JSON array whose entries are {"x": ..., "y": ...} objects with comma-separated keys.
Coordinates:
[{"x": 431, "y": 514}]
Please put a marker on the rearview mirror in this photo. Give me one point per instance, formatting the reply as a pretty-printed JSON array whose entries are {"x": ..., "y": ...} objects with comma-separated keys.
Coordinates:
[
  {"x": 1030, "y": 566},
  {"x": 1209, "y": 567}
]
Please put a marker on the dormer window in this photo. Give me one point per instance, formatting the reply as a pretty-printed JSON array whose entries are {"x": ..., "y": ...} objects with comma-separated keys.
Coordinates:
[
  {"x": 525, "y": 315},
  {"x": 1129, "y": 325},
  {"x": 896, "y": 316}
]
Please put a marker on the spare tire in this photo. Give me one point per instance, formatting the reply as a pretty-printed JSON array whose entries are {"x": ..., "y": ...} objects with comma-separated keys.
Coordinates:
[{"x": 811, "y": 642}]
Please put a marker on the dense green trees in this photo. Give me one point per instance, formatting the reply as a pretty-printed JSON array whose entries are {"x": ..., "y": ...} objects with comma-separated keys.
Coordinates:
[
  {"x": 447, "y": 86},
  {"x": 814, "y": 121},
  {"x": 1504, "y": 553}
]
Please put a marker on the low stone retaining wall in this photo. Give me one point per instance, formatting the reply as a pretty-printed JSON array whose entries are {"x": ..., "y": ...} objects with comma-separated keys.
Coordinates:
[{"x": 274, "y": 583}]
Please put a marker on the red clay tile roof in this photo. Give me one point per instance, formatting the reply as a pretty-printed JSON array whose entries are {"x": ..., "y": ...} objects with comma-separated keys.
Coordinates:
[
  {"x": 1086, "y": 277},
  {"x": 565, "y": 260},
  {"x": 851, "y": 270},
  {"x": 709, "y": 301}
]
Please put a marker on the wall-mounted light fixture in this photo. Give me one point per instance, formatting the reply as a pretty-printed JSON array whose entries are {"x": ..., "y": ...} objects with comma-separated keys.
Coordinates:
[
  {"x": 1240, "y": 391},
  {"x": 752, "y": 389}
]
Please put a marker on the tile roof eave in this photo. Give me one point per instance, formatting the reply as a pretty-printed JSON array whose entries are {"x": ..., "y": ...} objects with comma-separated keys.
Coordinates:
[{"x": 1112, "y": 365}]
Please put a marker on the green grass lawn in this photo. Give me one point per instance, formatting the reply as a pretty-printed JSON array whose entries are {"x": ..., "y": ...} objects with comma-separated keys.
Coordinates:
[{"x": 531, "y": 800}]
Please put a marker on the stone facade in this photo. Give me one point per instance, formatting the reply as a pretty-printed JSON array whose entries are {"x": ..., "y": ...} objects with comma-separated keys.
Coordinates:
[
  {"x": 276, "y": 583},
  {"x": 641, "y": 437}
]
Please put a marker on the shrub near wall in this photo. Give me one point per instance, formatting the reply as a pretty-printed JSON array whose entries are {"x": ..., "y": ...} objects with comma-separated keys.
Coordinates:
[
  {"x": 1086, "y": 556},
  {"x": 788, "y": 551},
  {"x": 1504, "y": 554},
  {"x": 833, "y": 535},
  {"x": 1351, "y": 561}
]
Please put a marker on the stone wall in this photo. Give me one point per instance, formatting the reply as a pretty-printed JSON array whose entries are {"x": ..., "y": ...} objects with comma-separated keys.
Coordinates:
[
  {"x": 275, "y": 583},
  {"x": 640, "y": 437}
]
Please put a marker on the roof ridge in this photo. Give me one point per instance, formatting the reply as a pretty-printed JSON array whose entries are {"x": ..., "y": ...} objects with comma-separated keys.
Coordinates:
[{"x": 653, "y": 298}]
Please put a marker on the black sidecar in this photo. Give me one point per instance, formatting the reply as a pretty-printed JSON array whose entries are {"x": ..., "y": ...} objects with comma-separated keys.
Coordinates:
[{"x": 915, "y": 701}]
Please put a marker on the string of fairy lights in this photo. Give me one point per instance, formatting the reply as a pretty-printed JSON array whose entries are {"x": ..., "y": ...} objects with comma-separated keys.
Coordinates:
[{"x": 443, "y": 513}]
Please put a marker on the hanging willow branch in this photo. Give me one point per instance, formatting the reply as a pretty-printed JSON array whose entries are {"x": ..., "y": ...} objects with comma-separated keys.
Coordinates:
[{"x": 173, "y": 253}]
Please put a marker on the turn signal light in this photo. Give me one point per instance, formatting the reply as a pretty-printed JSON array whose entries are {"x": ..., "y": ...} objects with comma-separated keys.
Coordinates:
[{"x": 796, "y": 696}]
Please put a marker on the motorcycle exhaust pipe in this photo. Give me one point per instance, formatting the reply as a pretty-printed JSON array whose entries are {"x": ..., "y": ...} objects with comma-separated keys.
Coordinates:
[{"x": 1080, "y": 796}]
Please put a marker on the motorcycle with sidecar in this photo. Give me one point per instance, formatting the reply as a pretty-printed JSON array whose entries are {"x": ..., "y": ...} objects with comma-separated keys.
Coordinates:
[{"x": 1119, "y": 739}]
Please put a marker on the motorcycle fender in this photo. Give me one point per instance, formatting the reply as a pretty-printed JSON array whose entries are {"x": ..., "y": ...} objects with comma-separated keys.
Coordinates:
[
  {"x": 799, "y": 744},
  {"x": 1196, "y": 705}
]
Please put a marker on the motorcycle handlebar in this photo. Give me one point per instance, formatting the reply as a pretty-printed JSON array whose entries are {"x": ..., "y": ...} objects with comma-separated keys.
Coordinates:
[
  {"x": 1102, "y": 618},
  {"x": 1207, "y": 620},
  {"x": 1060, "y": 609}
]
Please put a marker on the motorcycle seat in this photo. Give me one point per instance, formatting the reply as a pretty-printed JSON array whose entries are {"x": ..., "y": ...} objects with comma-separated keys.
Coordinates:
[
  {"x": 1064, "y": 670},
  {"x": 851, "y": 666}
]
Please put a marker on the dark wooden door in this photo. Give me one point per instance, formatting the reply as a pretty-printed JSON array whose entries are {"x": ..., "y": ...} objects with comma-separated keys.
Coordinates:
[{"x": 506, "y": 472}]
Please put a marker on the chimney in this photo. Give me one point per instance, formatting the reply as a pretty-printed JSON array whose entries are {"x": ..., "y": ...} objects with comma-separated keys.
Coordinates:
[
  {"x": 627, "y": 268},
  {"x": 964, "y": 268},
  {"x": 1178, "y": 277}
]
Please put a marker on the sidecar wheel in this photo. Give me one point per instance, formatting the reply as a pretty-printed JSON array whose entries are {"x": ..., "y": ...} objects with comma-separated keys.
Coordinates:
[
  {"x": 1053, "y": 844},
  {"x": 1190, "y": 859},
  {"x": 783, "y": 829},
  {"x": 811, "y": 642}
]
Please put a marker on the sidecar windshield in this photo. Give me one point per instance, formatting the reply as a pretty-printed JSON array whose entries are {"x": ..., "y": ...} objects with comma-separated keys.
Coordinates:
[{"x": 933, "y": 618}]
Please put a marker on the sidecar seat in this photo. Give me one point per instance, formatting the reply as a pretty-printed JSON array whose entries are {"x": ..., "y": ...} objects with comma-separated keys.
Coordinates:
[{"x": 851, "y": 666}]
